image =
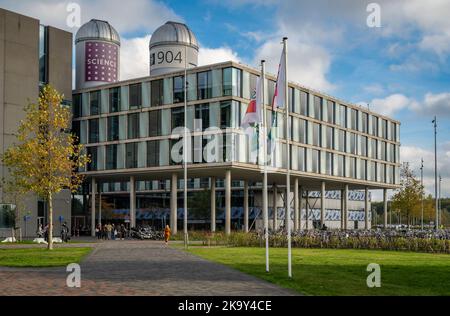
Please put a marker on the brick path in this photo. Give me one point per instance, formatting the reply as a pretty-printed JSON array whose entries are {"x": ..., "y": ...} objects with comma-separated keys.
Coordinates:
[{"x": 138, "y": 268}]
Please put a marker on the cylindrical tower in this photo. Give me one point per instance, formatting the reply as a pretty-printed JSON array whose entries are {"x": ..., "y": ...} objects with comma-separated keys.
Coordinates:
[
  {"x": 172, "y": 47},
  {"x": 97, "y": 46}
]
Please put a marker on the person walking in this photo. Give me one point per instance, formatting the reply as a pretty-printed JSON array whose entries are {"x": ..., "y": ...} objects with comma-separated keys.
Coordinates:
[
  {"x": 167, "y": 233},
  {"x": 122, "y": 232}
]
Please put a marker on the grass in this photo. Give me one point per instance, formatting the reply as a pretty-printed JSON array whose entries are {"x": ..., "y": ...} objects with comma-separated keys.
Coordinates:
[
  {"x": 41, "y": 257},
  {"x": 340, "y": 271}
]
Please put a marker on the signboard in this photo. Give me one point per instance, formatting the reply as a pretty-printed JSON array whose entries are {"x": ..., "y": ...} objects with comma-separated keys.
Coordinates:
[{"x": 101, "y": 61}]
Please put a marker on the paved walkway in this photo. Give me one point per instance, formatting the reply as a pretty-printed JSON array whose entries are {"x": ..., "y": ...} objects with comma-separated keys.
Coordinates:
[{"x": 138, "y": 268}]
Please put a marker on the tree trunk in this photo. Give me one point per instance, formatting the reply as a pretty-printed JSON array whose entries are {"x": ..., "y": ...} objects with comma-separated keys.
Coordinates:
[{"x": 50, "y": 221}]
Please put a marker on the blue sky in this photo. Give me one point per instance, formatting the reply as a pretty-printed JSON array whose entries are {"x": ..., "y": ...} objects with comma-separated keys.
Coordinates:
[{"x": 401, "y": 69}]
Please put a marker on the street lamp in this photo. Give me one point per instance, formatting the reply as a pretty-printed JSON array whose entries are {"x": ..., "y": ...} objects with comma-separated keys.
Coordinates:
[
  {"x": 422, "y": 190},
  {"x": 435, "y": 173}
]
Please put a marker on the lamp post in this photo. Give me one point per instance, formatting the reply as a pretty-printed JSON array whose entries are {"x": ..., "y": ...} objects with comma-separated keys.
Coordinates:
[
  {"x": 435, "y": 173},
  {"x": 422, "y": 190}
]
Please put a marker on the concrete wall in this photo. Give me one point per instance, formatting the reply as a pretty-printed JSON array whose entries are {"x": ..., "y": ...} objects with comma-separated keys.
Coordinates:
[{"x": 19, "y": 84}]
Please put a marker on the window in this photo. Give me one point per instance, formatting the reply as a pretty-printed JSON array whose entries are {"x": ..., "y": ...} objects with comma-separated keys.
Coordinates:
[
  {"x": 342, "y": 116},
  {"x": 76, "y": 130},
  {"x": 315, "y": 134},
  {"x": 374, "y": 130},
  {"x": 381, "y": 172},
  {"x": 329, "y": 137},
  {"x": 354, "y": 119},
  {"x": 363, "y": 146},
  {"x": 225, "y": 115},
  {"x": 201, "y": 114},
  {"x": 371, "y": 171},
  {"x": 178, "y": 89},
  {"x": 111, "y": 157},
  {"x": 177, "y": 117},
  {"x": 365, "y": 122},
  {"x": 114, "y": 100},
  {"x": 154, "y": 123},
  {"x": 153, "y": 153},
  {"x": 228, "y": 82},
  {"x": 133, "y": 125},
  {"x": 317, "y": 114},
  {"x": 301, "y": 159},
  {"x": 204, "y": 85},
  {"x": 393, "y": 131},
  {"x": 330, "y": 112},
  {"x": 94, "y": 102},
  {"x": 339, "y": 165},
  {"x": 43, "y": 51},
  {"x": 384, "y": 129},
  {"x": 315, "y": 162},
  {"x": 328, "y": 163},
  {"x": 131, "y": 155},
  {"x": 352, "y": 148},
  {"x": 351, "y": 167},
  {"x": 373, "y": 148},
  {"x": 113, "y": 128},
  {"x": 92, "y": 154},
  {"x": 303, "y": 131},
  {"x": 76, "y": 108},
  {"x": 157, "y": 92},
  {"x": 383, "y": 150},
  {"x": 362, "y": 169},
  {"x": 341, "y": 140},
  {"x": 93, "y": 131},
  {"x": 135, "y": 96},
  {"x": 303, "y": 103}
]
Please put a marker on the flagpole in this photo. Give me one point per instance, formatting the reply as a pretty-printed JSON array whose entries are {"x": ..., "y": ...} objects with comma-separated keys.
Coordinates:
[
  {"x": 264, "y": 130},
  {"x": 288, "y": 168}
]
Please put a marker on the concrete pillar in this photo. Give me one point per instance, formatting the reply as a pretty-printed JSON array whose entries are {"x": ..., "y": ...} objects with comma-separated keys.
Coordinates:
[
  {"x": 213, "y": 204},
  {"x": 275, "y": 209},
  {"x": 342, "y": 209},
  {"x": 322, "y": 204},
  {"x": 307, "y": 210},
  {"x": 100, "y": 205},
  {"x": 228, "y": 202},
  {"x": 346, "y": 207},
  {"x": 366, "y": 209},
  {"x": 385, "y": 207},
  {"x": 132, "y": 202},
  {"x": 93, "y": 190},
  {"x": 296, "y": 211},
  {"x": 173, "y": 203},
  {"x": 246, "y": 206}
]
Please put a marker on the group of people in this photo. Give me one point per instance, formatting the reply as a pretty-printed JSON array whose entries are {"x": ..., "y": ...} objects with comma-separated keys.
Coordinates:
[
  {"x": 110, "y": 231},
  {"x": 42, "y": 232}
]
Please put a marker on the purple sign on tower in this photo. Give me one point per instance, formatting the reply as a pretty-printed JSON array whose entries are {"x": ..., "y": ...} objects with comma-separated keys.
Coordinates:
[{"x": 101, "y": 62}]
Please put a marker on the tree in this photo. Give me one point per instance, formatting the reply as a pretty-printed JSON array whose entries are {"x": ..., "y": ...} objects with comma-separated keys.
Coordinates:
[
  {"x": 46, "y": 159},
  {"x": 408, "y": 198}
]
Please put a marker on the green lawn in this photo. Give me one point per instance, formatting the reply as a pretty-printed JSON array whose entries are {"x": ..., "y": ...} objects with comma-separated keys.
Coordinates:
[
  {"x": 340, "y": 272},
  {"x": 41, "y": 257}
]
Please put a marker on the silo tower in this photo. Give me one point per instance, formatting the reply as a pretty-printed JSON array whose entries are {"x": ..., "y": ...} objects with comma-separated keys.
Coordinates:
[
  {"x": 97, "y": 54},
  {"x": 172, "y": 47}
]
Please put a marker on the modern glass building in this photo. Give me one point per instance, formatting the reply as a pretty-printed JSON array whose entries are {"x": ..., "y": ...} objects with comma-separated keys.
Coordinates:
[{"x": 128, "y": 126}]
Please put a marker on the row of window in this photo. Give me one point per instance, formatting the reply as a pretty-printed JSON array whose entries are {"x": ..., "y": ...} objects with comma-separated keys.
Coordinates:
[
  {"x": 226, "y": 82},
  {"x": 158, "y": 153},
  {"x": 223, "y": 115}
]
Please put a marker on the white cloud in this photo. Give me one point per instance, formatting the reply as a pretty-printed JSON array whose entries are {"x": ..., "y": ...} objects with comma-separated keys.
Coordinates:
[
  {"x": 132, "y": 16},
  {"x": 308, "y": 63},
  {"x": 134, "y": 58},
  {"x": 208, "y": 56},
  {"x": 391, "y": 104},
  {"x": 434, "y": 104}
]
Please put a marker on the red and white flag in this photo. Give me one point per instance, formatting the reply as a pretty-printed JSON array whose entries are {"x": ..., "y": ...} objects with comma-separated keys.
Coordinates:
[{"x": 252, "y": 116}]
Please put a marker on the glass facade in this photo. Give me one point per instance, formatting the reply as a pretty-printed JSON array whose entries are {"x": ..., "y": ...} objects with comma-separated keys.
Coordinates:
[{"x": 327, "y": 137}]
